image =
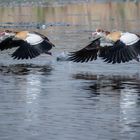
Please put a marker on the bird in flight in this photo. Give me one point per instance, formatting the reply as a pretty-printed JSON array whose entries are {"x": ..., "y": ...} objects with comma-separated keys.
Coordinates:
[
  {"x": 122, "y": 47},
  {"x": 28, "y": 44}
]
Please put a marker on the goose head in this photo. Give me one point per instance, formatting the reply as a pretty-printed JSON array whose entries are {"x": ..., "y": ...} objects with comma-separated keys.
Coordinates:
[
  {"x": 7, "y": 33},
  {"x": 110, "y": 36},
  {"x": 100, "y": 33}
]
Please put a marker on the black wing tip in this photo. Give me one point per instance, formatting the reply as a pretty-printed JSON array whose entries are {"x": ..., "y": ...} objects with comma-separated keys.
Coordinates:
[
  {"x": 25, "y": 51},
  {"x": 81, "y": 58}
]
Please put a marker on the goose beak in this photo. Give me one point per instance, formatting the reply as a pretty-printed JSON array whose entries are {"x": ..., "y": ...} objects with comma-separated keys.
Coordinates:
[
  {"x": 94, "y": 35},
  {"x": 2, "y": 33}
]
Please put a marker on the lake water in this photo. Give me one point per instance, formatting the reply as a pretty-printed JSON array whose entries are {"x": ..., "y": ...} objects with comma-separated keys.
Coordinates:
[{"x": 45, "y": 99}]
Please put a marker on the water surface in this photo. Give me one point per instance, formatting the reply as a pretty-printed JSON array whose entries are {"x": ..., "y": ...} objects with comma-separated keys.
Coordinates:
[{"x": 45, "y": 99}]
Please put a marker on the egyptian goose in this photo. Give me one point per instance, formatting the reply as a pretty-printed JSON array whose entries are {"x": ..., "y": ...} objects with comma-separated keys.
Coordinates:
[
  {"x": 123, "y": 47},
  {"x": 30, "y": 44}
]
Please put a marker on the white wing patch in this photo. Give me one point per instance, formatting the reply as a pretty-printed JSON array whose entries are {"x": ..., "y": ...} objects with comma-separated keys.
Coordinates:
[
  {"x": 129, "y": 38},
  {"x": 34, "y": 39}
]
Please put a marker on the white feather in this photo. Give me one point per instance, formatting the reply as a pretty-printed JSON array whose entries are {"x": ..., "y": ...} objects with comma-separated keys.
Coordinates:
[
  {"x": 34, "y": 39},
  {"x": 129, "y": 38}
]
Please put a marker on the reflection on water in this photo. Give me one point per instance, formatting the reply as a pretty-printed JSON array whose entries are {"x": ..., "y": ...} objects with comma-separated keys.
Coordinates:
[
  {"x": 63, "y": 105},
  {"x": 104, "y": 84},
  {"x": 21, "y": 86},
  {"x": 126, "y": 88},
  {"x": 24, "y": 69}
]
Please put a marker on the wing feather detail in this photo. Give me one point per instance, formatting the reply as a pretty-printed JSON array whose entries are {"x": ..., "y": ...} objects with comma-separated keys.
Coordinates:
[
  {"x": 86, "y": 54},
  {"x": 117, "y": 53}
]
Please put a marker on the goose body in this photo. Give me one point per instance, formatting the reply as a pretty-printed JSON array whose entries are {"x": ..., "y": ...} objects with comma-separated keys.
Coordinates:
[
  {"x": 124, "y": 47},
  {"x": 129, "y": 38},
  {"x": 29, "y": 44},
  {"x": 34, "y": 39}
]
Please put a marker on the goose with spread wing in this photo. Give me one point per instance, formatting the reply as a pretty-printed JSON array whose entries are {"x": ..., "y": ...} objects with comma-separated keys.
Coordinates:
[
  {"x": 123, "y": 47},
  {"x": 29, "y": 44}
]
